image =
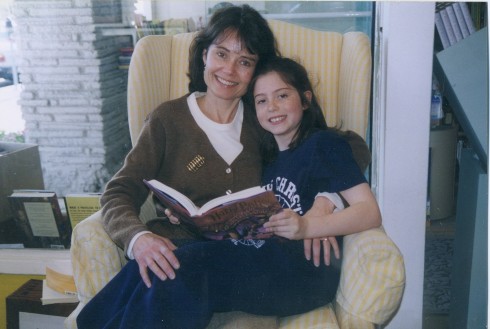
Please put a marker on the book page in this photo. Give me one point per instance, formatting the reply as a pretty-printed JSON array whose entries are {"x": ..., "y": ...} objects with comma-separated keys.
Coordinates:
[
  {"x": 41, "y": 218},
  {"x": 222, "y": 200},
  {"x": 175, "y": 195},
  {"x": 51, "y": 296}
]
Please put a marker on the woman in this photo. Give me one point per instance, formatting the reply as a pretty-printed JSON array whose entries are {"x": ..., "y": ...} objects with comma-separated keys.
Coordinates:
[{"x": 211, "y": 125}]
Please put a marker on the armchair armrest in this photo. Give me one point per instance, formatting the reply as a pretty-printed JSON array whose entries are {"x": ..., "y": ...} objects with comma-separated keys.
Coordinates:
[
  {"x": 372, "y": 279},
  {"x": 95, "y": 260},
  {"x": 95, "y": 257}
]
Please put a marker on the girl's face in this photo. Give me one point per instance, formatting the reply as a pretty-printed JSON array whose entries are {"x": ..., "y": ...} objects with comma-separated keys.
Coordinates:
[
  {"x": 279, "y": 107},
  {"x": 229, "y": 68}
]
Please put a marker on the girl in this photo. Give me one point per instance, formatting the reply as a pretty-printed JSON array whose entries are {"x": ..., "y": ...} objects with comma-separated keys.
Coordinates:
[{"x": 303, "y": 157}]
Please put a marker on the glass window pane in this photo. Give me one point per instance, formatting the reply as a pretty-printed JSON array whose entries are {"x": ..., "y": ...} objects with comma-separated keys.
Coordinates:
[{"x": 340, "y": 16}]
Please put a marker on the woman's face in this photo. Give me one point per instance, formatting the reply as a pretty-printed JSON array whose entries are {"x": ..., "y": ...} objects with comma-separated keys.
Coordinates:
[{"x": 229, "y": 68}]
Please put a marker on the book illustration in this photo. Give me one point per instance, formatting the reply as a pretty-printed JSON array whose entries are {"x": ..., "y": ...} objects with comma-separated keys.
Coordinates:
[
  {"x": 81, "y": 205},
  {"x": 237, "y": 215},
  {"x": 38, "y": 215}
]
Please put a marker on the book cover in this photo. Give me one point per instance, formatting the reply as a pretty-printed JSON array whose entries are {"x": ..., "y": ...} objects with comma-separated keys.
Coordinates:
[
  {"x": 81, "y": 205},
  {"x": 239, "y": 215},
  {"x": 38, "y": 214}
]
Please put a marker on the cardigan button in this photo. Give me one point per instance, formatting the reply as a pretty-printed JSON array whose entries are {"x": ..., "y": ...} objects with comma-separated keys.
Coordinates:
[
  {"x": 228, "y": 192},
  {"x": 228, "y": 170}
]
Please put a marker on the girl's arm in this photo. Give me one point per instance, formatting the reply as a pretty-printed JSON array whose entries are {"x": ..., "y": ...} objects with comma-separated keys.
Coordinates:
[{"x": 362, "y": 214}]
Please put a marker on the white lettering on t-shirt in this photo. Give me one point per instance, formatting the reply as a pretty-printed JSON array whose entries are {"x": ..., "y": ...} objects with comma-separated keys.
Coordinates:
[{"x": 287, "y": 193}]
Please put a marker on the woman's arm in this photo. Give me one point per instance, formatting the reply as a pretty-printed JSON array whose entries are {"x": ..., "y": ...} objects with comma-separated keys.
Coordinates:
[{"x": 312, "y": 247}]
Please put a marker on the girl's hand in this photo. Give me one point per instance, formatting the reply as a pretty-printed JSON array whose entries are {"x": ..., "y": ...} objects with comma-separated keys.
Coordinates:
[
  {"x": 287, "y": 224},
  {"x": 174, "y": 220}
]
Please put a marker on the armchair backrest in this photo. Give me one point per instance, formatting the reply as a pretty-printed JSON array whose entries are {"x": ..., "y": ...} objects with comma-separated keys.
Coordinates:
[{"x": 339, "y": 67}]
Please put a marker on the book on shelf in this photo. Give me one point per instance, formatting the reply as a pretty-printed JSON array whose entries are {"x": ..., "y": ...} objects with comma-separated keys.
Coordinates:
[
  {"x": 59, "y": 277},
  {"x": 441, "y": 30},
  {"x": 454, "y": 23},
  {"x": 81, "y": 205},
  {"x": 39, "y": 216},
  {"x": 238, "y": 215},
  {"x": 460, "y": 18},
  {"x": 448, "y": 27},
  {"x": 51, "y": 296},
  {"x": 468, "y": 16}
]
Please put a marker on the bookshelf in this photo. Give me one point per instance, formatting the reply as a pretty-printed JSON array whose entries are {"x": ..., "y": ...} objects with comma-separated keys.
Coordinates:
[
  {"x": 29, "y": 261},
  {"x": 462, "y": 71}
]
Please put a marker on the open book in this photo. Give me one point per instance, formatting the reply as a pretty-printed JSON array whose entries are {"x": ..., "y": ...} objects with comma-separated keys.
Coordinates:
[{"x": 238, "y": 215}]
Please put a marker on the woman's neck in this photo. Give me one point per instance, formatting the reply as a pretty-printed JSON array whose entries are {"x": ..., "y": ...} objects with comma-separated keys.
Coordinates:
[{"x": 218, "y": 110}]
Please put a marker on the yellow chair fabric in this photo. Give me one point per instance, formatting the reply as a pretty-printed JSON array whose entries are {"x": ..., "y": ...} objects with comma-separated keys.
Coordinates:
[{"x": 373, "y": 276}]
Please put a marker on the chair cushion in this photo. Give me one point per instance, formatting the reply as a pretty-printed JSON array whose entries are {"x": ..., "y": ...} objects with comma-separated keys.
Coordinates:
[
  {"x": 95, "y": 258},
  {"x": 373, "y": 276},
  {"x": 320, "y": 318}
]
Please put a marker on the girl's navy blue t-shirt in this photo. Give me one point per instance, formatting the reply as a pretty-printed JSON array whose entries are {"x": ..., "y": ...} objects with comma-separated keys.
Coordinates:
[{"x": 321, "y": 163}]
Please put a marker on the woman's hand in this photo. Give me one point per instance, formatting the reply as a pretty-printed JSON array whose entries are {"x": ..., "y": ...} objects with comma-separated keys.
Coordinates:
[
  {"x": 174, "y": 220},
  {"x": 321, "y": 207},
  {"x": 313, "y": 247},
  {"x": 156, "y": 253}
]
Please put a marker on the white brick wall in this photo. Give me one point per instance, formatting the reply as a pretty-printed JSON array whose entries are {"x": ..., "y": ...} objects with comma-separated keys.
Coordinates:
[{"x": 74, "y": 97}]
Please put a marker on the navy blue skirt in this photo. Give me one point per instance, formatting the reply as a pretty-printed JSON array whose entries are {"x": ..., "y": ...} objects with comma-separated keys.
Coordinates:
[{"x": 263, "y": 277}]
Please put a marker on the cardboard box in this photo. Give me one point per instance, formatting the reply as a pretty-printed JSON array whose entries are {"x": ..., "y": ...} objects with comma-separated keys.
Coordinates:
[
  {"x": 20, "y": 168},
  {"x": 25, "y": 310}
]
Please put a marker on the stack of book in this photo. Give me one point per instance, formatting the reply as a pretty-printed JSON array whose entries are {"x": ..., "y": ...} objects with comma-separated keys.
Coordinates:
[
  {"x": 125, "y": 54},
  {"x": 453, "y": 22},
  {"x": 154, "y": 27},
  {"x": 59, "y": 285}
]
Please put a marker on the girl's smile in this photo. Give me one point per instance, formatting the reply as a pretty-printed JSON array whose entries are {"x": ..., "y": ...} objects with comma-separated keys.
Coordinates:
[{"x": 279, "y": 107}]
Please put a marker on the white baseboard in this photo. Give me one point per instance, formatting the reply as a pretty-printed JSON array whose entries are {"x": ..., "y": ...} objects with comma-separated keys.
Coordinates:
[{"x": 29, "y": 261}]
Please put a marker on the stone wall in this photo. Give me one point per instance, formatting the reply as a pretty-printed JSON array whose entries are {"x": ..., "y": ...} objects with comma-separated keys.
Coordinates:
[{"x": 74, "y": 94}]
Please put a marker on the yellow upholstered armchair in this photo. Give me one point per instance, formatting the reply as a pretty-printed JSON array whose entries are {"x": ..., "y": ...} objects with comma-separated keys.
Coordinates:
[{"x": 373, "y": 275}]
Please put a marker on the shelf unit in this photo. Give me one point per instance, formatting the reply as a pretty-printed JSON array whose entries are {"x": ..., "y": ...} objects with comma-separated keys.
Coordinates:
[{"x": 29, "y": 261}]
